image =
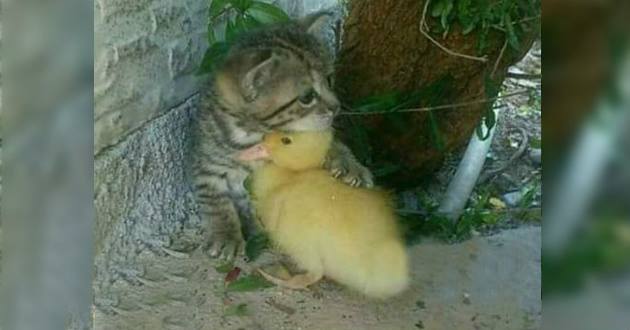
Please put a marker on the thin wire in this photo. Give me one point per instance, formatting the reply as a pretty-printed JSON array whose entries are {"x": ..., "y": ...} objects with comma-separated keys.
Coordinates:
[{"x": 438, "y": 107}]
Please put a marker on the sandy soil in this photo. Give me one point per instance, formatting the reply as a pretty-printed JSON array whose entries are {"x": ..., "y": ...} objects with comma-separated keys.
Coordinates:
[{"x": 485, "y": 283}]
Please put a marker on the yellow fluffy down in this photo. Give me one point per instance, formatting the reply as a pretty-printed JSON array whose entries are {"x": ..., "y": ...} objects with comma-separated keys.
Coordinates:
[{"x": 329, "y": 228}]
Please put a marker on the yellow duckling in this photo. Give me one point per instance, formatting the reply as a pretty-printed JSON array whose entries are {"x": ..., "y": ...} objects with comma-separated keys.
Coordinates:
[{"x": 329, "y": 228}]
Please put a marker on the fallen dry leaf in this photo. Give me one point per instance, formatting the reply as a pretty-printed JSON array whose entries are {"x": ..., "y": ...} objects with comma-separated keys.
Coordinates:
[
  {"x": 496, "y": 203},
  {"x": 232, "y": 275}
]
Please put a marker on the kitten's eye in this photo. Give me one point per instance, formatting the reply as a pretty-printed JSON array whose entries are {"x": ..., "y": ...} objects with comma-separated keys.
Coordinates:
[
  {"x": 308, "y": 99},
  {"x": 285, "y": 140}
]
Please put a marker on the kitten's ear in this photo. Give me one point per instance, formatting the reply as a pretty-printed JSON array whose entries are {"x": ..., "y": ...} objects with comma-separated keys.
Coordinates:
[
  {"x": 314, "y": 23},
  {"x": 263, "y": 64},
  {"x": 254, "y": 153}
]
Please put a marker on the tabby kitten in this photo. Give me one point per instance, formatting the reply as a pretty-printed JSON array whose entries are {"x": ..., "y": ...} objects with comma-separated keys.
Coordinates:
[{"x": 274, "y": 78}]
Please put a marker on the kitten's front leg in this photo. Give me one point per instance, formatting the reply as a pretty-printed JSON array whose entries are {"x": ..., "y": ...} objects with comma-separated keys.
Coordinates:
[
  {"x": 343, "y": 165},
  {"x": 225, "y": 238},
  {"x": 217, "y": 209}
]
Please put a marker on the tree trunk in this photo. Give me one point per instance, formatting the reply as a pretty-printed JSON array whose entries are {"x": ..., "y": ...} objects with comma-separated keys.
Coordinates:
[{"x": 384, "y": 51}]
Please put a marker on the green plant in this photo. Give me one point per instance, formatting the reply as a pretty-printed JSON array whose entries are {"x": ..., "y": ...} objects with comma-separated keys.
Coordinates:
[
  {"x": 234, "y": 17},
  {"x": 508, "y": 16},
  {"x": 477, "y": 216},
  {"x": 256, "y": 245},
  {"x": 389, "y": 105},
  {"x": 247, "y": 283},
  {"x": 491, "y": 89}
]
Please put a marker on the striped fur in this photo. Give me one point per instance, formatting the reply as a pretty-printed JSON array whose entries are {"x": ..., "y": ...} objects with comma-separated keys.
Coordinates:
[{"x": 276, "y": 78}]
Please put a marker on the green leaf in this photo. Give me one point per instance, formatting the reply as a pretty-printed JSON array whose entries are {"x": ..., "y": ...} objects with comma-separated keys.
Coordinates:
[
  {"x": 448, "y": 7},
  {"x": 437, "y": 8},
  {"x": 490, "y": 119},
  {"x": 236, "y": 310},
  {"x": 224, "y": 267},
  {"x": 248, "y": 283},
  {"x": 217, "y": 7},
  {"x": 250, "y": 22},
  {"x": 482, "y": 41},
  {"x": 267, "y": 13},
  {"x": 468, "y": 28},
  {"x": 436, "y": 135},
  {"x": 511, "y": 34},
  {"x": 480, "y": 133},
  {"x": 467, "y": 14},
  {"x": 213, "y": 55},
  {"x": 382, "y": 102},
  {"x": 231, "y": 29},
  {"x": 491, "y": 87},
  {"x": 241, "y": 5},
  {"x": 528, "y": 196},
  {"x": 255, "y": 246},
  {"x": 240, "y": 25}
]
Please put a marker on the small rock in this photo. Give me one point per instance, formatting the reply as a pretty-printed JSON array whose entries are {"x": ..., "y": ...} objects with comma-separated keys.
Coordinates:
[
  {"x": 535, "y": 155},
  {"x": 466, "y": 299},
  {"x": 512, "y": 198}
]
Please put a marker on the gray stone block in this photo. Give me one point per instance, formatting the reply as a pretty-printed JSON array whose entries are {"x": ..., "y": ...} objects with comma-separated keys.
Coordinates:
[
  {"x": 146, "y": 54},
  {"x": 142, "y": 198}
]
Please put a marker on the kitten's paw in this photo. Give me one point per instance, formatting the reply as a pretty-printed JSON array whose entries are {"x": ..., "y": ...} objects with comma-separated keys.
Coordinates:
[
  {"x": 351, "y": 173},
  {"x": 225, "y": 245}
]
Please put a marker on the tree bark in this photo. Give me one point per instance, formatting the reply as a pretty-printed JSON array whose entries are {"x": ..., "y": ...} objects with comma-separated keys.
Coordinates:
[{"x": 383, "y": 51}]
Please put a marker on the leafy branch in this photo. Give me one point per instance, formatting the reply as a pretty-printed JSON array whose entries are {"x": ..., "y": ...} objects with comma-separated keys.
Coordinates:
[
  {"x": 424, "y": 28},
  {"x": 511, "y": 17},
  {"x": 235, "y": 17}
]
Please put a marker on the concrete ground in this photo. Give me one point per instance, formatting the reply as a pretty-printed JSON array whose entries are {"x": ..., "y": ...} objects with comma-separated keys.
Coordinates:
[{"x": 484, "y": 283}]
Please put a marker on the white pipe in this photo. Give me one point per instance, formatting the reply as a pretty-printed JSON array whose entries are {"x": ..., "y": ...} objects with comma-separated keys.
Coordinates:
[{"x": 462, "y": 184}]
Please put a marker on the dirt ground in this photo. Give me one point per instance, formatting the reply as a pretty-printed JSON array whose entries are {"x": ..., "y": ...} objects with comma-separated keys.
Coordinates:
[{"x": 484, "y": 283}]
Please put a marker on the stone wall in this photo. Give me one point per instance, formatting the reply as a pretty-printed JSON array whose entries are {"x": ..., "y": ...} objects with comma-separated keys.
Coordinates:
[
  {"x": 146, "y": 53},
  {"x": 142, "y": 198}
]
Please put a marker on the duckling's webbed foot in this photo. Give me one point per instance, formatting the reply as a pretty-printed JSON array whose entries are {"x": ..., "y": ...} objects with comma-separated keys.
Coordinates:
[{"x": 296, "y": 282}]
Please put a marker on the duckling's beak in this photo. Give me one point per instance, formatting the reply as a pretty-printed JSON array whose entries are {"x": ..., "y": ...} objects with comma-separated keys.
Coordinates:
[{"x": 256, "y": 152}]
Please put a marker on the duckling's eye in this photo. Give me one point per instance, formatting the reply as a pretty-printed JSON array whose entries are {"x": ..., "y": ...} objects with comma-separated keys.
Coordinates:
[
  {"x": 286, "y": 140},
  {"x": 308, "y": 99}
]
